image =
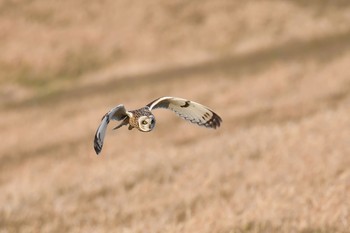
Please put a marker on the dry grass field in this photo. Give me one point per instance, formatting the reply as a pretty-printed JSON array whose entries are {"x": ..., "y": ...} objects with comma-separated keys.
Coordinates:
[{"x": 278, "y": 73}]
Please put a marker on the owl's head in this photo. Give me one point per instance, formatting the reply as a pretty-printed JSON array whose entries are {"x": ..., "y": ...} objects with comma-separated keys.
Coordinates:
[{"x": 146, "y": 123}]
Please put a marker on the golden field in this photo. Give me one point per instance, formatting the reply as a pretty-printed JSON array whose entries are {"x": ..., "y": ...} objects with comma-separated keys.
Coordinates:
[{"x": 277, "y": 72}]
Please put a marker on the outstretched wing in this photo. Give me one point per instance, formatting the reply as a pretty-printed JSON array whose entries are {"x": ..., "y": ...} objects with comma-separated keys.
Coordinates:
[
  {"x": 188, "y": 110},
  {"x": 118, "y": 113}
]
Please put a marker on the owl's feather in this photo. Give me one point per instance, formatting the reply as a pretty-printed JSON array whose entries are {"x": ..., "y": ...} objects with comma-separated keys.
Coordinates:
[
  {"x": 118, "y": 113},
  {"x": 188, "y": 110}
]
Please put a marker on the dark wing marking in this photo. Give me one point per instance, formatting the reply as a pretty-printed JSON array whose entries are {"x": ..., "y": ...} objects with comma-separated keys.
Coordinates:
[
  {"x": 118, "y": 113},
  {"x": 188, "y": 110}
]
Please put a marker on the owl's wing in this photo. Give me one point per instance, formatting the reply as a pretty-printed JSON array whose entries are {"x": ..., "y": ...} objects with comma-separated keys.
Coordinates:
[
  {"x": 118, "y": 113},
  {"x": 188, "y": 110}
]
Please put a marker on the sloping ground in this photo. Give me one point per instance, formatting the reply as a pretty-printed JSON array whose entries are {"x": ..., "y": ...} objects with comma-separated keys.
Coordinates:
[{"x": 279, "y": 163}]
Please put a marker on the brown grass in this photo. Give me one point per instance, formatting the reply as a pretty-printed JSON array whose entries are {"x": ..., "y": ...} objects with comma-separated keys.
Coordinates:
[{"x": 276, "y": 71}]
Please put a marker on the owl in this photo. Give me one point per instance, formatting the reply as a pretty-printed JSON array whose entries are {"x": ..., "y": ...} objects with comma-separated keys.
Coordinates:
[{"x": 143, "y": 119}]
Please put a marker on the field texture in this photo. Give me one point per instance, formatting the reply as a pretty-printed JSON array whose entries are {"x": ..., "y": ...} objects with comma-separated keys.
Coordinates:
[{"x": 278, "y": 73}]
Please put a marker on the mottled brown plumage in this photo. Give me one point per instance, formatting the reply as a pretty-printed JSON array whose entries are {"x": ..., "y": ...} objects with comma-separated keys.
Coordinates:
[{"x": 136, "y": 114}]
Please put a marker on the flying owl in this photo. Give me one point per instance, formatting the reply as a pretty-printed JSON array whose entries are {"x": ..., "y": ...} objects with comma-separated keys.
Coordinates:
[{"x": 143, "y": 119}]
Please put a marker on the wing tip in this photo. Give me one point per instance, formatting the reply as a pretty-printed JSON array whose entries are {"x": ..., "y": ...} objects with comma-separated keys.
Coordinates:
[
  {"x": 97, "y": 144},
  {"x": 214, "y": 122}
]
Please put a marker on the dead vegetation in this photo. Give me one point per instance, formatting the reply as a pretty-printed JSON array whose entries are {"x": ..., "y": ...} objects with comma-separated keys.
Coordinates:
[{"x": 276, "y": 71}]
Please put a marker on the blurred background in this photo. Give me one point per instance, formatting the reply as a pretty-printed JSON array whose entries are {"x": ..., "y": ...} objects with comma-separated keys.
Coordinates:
[{"x": 277, "y": 72}]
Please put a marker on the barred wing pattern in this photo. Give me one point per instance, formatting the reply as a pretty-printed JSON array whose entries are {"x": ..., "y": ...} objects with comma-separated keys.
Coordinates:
[
  {"x": 188, "y": 110},
  {"x": 118, "y": 113}
]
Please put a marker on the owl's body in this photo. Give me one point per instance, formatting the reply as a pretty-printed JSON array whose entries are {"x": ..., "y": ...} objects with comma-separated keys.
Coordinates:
[
  {"x": 137, "y": 115},
  {"x": 143, "y": 119}
]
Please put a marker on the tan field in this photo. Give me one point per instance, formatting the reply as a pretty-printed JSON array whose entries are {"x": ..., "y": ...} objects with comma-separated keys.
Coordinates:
[{"x": 277, "y": 72}]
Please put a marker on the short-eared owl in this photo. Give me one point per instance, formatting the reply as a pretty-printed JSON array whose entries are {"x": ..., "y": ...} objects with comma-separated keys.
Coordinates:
[{"x": 144, "y": 120}]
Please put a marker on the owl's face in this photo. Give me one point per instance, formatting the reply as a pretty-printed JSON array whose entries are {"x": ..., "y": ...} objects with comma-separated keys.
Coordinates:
[{"x": 146, "y": 123}]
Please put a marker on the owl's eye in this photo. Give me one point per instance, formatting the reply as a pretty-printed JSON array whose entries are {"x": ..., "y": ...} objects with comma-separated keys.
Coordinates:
[{"x": 144, "y": 122}]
